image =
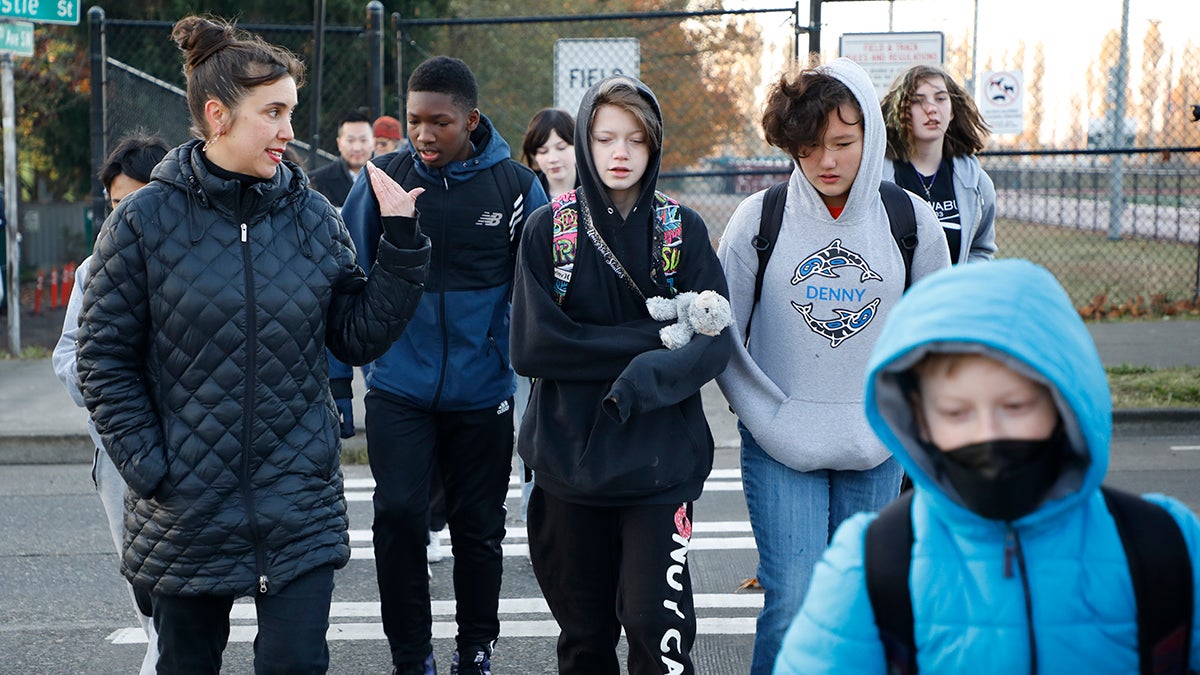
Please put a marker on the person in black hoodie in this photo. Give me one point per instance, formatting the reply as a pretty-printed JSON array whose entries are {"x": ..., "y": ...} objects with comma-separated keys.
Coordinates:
[{"x": 615, "y": 430}]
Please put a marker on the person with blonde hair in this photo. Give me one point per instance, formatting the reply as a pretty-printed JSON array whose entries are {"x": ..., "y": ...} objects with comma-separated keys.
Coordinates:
[{"x": 934, "y": 131}]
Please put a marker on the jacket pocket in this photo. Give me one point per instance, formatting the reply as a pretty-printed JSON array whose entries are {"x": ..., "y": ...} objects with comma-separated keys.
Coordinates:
[{"x": 145, "y": 472}]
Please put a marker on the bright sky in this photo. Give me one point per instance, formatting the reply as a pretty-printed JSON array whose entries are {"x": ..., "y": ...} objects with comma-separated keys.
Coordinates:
[{"x": 1071, "y": 30}]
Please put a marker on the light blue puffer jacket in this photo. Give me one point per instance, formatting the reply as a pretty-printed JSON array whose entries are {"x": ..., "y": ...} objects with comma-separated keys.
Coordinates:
[{"x": 970, "y": 616}]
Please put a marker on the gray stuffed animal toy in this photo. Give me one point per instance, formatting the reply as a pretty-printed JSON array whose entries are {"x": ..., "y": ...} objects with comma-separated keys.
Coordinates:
[{"x": 706, "y": 312}]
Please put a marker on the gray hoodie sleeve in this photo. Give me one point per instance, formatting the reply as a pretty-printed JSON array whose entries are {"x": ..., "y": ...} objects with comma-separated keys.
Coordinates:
[
  {"x": 750, "y": 392},
  {"x": 64, "y": 352}
]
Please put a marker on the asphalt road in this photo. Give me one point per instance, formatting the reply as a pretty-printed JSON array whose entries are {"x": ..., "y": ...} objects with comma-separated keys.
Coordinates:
[{"x": 65, "y": 609}]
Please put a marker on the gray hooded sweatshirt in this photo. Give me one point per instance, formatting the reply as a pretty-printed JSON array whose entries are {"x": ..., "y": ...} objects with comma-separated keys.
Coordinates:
[{"x": 798, "y": 387}]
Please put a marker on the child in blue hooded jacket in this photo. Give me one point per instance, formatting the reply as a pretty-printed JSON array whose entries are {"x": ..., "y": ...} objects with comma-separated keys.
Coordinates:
[{"x": 988, "y": 390}]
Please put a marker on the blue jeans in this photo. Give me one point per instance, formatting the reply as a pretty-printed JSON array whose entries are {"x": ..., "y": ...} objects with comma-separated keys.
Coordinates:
[{"x": 793, "y": 515}]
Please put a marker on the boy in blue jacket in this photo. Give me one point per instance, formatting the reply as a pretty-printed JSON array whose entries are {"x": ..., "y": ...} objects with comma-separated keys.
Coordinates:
[
  {"x": 987, "y": 387},
  {"x": 443, "y": 393}
]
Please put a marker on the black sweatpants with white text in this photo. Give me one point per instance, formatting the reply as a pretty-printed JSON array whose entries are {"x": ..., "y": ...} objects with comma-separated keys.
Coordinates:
[{"x": 602, "y": 568}]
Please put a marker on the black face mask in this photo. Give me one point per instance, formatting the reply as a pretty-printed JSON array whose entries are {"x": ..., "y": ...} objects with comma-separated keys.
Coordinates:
[{"x": 1004, "y": 479}]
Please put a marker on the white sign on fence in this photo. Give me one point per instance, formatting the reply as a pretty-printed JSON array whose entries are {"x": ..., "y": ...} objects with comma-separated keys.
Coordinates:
[
  {"x": 885, "y": 55},
  {"x": 580, "y": 63},
  {"x": 1002, "y": 101}
]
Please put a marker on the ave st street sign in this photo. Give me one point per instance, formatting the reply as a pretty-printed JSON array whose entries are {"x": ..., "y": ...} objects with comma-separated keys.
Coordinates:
[
  {"x": 41, "y": 11},
  {"x": 16, "y": 38}
]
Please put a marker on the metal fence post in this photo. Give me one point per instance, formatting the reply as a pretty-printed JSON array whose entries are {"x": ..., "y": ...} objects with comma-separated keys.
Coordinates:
[
  {"x": 13, "y": 283},
  {"x": 398, "y": 40},
  {"x": 99, "y": 127},
  {"x": 375, "y": 58},
  {"x": 314, "y": 137}
]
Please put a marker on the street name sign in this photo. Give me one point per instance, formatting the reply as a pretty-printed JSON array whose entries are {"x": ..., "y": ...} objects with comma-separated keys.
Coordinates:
[
  {"x": 41, "y": 11},
  {"x": 16, "y": 38}
]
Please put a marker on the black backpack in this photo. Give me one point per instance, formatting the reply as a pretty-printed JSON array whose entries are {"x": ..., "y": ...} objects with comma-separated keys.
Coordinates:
[
  {"x": 901, "y": 217},
  {"x": 398, "y": 163},
  {"x": 1158, "y": 563}
]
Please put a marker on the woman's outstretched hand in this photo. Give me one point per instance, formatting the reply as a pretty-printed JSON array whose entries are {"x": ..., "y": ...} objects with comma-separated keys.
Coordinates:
[{"x": 394, "y": 200}]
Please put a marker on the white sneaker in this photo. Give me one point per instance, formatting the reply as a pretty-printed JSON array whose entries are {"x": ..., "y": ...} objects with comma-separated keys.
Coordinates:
[{"x": 433, "y": 550}]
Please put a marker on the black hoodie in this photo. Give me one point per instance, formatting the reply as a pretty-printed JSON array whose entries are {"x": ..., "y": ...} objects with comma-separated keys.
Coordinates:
[{"x": 615, "y": 418}]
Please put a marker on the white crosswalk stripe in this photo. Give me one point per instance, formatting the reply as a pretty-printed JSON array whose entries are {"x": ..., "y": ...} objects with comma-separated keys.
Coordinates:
[
  {"x": 516, "y": 543},
  {"x": 721, "y": 480},
  {"x": 519, "y": 617},
  {"x": 530, "y": 625}
]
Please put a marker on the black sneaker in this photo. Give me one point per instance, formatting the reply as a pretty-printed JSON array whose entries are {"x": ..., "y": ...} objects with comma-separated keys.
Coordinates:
[
  {"x": 427, "y": 668},
  {"x": 471, "y": 661}
]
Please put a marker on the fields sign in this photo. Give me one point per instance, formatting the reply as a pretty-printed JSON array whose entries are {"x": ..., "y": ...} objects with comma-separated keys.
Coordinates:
[{"x": 578, "y": 64}]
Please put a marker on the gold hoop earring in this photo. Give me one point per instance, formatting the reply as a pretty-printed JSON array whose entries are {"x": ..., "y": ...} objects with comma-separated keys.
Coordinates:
[{"x": 208, "y": 143}]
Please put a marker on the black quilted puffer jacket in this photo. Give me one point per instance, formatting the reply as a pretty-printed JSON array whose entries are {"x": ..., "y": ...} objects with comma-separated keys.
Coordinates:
[{"x": 201, "y": 357}]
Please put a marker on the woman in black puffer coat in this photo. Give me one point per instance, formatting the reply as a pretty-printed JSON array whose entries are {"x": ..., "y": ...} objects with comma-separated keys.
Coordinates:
[{"x": 214, "y": 292}]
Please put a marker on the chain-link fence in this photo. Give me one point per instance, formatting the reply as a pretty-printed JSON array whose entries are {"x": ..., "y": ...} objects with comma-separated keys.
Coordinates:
[
  {"x": 144, "y": 80},
  {"x": 1118, "y": 225},
  {"x": 1115, "y": 215}
]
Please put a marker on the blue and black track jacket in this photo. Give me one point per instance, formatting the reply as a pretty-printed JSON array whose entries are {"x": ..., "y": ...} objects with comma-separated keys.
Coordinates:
[{"x": 454, "y": 353}]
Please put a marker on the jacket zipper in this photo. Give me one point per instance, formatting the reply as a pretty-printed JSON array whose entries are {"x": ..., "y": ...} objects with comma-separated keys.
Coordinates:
[
  {"x": 1012, "y": 550},
  {"x": 247, "y": 423},
  {"x": 496, "y": 349},
  {"x": 437, "y": 394}
]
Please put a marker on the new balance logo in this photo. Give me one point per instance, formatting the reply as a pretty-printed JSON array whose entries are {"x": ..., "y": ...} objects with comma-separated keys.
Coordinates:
[
  {"x": 502, "y": 408},
  {"x": 490, "y": 219}
]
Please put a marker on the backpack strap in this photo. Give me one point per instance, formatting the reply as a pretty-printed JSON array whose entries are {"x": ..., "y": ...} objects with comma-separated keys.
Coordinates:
[
  {"x": 1161, "y": 569},
  {"x": 669, "y": 236},
  {"x": 769, "y": 223},
  {"x": 903, "y": 219},
  {"x": 395, "y": 164},
  {"x": 514, "y": 198},
  {"x": 564, "y": 237},
  {"x": 887, "y": 560}
]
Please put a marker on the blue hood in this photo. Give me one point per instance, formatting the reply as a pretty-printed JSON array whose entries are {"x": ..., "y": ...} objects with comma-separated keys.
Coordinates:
[{"x": 1015, "y": 312}]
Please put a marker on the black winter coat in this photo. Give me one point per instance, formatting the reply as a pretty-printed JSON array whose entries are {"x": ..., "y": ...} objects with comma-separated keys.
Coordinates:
[{"x": 201, "y": 357}]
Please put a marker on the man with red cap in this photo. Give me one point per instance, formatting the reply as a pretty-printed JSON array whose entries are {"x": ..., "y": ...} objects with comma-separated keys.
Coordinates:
[{"x": 387, "y": 134}]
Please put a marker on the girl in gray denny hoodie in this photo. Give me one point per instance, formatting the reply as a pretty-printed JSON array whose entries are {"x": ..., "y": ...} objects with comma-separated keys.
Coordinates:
[{"x": 809, "y": 459}]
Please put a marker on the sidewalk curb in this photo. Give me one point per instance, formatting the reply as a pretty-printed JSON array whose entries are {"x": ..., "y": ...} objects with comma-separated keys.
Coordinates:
[
  {"x": 36, "y": 449},
  {"x": 78, "y": 449},
  {"x": 1156, "y": 421}
]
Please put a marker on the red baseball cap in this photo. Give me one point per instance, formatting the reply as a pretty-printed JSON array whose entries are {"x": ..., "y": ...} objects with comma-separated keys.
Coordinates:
[{"x": 387, "y": 127}]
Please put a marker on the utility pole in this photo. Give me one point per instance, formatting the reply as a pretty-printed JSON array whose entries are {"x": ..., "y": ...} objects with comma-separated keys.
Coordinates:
[
  {"x": 13, "y": 283},
  {"x": 1116, "y": 130}
]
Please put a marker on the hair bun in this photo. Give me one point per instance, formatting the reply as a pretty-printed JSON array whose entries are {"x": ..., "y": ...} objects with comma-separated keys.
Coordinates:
[{"x": 199, "y": 38}]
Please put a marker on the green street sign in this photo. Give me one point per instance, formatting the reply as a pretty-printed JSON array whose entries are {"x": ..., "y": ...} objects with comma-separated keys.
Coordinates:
[
  {"x": 16, "y": 38},
  {"x": 41, "y": 11}
]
